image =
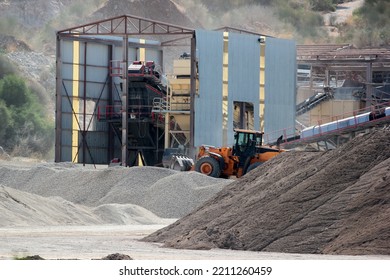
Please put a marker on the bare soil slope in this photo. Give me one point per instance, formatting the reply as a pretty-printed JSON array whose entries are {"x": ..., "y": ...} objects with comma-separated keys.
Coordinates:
[{"x": 335, "y": 202}]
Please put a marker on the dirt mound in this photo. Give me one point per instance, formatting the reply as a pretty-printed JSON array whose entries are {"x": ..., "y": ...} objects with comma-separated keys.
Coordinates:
[{"x": 334, "y": 202}]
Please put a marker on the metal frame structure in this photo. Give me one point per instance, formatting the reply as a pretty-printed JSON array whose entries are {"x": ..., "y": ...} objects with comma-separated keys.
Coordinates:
[
  {"x": 124, "y": 26},
  {"x": 344, "y": 57}
]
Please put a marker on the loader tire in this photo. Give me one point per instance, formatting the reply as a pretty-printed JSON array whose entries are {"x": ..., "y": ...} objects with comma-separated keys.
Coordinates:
[{"x": 208, "y": 166}]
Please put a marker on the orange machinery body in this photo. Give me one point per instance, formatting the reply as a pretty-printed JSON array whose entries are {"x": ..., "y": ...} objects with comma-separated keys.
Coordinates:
[{"x": 232, "y": 166}]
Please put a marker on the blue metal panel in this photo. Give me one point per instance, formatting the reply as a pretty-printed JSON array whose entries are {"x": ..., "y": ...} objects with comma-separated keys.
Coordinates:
[
  {"x": 66, "y": 139},
  {"x": 208, "y": 104},
  {"x": 66, "y": 121},
  {"x": 66, "y": 153},
  {"x": 67, "y": 71},
  {"x": 280, "y": 86},
  {"x": 67, "y": 51},
  {"x": 96, "y": 74},
  {"x": 97, "y": 54},
  {"x": 244, "y": 75},
  {"x": 97, "y": 147},
  {"x": 66, "y": 105}
]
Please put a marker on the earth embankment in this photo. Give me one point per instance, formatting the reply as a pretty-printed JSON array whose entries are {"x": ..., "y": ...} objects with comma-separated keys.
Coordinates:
[{"x": 335, "y": 202}]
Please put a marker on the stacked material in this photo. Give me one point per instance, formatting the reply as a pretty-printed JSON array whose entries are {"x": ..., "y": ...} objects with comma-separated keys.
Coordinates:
[
  {"x": 66, "y": 193},
  {"x": 335, "y": 202}
]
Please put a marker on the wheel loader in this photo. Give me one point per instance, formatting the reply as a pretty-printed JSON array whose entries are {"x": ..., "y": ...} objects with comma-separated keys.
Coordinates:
[
  {"x": 246, "y": 154},
  {"x": 223, "y": 162}
]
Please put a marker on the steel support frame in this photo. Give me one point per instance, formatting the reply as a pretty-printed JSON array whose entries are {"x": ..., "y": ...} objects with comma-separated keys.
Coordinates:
[{"x": 125, "y": 26}]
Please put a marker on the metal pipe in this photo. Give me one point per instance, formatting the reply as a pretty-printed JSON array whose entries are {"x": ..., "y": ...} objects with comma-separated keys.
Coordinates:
[
  {"x": 125, "y": 108},
  {"x": 193, "y": 94},
  {"x": 85, "y": 103},
  {"x": 58, "y": 127}
]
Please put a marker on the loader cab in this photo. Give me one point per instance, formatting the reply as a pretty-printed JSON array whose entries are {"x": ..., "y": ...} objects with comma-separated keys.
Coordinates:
[{"x": 246, "y": 141}]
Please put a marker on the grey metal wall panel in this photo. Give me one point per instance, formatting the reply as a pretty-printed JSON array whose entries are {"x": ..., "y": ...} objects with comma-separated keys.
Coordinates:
[
  {"x": 66, "y": 51},
  {"x": 66, "y": 153},
  {"x": 67, "y": 71},
  {"x": 96, "y": 74},
  {"x": 280, "y": 86},
  {"x": 96, "y": 90},
  {"x": 94, "y": 156},
  {"x": 66, "y": 105},
  {"x": 96, "y": 152},
  {"x": 208, "y": 104},
  {"x": 66, "y": 138},
  {"x": 244, "y": 75},
  {"x": 97, "y": 54},
  {"x": 66, "y": 121},
  {"x": 153, "y": 55}
]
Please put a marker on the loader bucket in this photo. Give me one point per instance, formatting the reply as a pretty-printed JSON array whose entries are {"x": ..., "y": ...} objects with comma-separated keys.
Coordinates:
[{"x": 173, "y": 159}]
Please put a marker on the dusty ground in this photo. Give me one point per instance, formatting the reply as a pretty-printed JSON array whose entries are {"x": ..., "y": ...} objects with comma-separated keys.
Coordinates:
[
  {"x": 343, "y": 12},
  {"x": 95, "y": 242}
]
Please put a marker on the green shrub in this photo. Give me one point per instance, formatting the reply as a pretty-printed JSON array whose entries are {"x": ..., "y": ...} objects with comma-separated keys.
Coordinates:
[{"x": 25, "y": 129}]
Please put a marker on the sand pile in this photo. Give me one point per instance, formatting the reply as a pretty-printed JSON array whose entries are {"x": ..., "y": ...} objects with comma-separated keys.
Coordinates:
[
  {"x": 20, "y": 208},
  {"x": 335, "y": 202},
  {"x": 65, "y": 193}
]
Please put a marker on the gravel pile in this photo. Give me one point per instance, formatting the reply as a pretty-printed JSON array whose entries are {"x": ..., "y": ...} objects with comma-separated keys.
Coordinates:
[
  {"x": 20, "y": 208},
  {"x": 164, "y": 192},
  {"x": 335, "y": 202}
]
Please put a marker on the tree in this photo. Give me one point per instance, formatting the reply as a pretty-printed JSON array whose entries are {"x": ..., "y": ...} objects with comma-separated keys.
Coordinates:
[
  {"x": 13, "y": 91},
  {"x": 5, "y": 118},
  {"x": 324, "y": 5},
  {"x": 24, "y": 128}
]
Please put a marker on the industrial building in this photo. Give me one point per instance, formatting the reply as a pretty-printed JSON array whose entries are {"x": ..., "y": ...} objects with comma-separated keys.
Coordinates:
[{"x": 114, "y": 98}]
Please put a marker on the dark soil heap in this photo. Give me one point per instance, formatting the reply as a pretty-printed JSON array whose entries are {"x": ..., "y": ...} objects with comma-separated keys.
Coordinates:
[{"x": 335, "y": 202}]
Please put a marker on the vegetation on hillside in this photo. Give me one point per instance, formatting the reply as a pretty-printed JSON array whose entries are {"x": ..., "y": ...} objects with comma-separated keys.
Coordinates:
[
  {"x": 370, "y": 25},
  {"x": 25, "y": 129},
  {"x": 300, "y": 19}
]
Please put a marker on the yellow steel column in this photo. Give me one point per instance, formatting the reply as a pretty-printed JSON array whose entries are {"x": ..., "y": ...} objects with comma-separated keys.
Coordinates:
[
  {"x": 225, "y": 88},
  {"x": 75, "y": 100},
  {"x": 142, "y": 56},
  {"x": 262, "y": 82},
  {"x": 142, "y": 52}
]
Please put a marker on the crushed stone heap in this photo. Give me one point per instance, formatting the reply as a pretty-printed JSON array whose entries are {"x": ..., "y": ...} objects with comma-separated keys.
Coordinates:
[
  {"x": 166, "y": 193},
  {"x": 335, "y": 202}
]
